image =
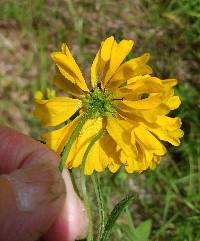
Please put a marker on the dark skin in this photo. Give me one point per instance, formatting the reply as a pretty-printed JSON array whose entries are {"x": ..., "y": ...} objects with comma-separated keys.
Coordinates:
[{"x": 36, "y": 201}]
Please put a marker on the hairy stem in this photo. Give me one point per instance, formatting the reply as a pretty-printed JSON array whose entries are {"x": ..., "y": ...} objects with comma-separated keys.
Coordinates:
[
  {"x": 83, "y": 184},
  {"x": 100, "y": 203}
]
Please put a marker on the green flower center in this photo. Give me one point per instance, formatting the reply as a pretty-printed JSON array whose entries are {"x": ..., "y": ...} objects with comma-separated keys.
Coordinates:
[{"x": 99, "y": 103}]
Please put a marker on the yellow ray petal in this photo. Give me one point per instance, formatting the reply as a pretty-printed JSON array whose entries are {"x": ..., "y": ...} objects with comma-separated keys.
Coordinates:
[
  {"x": 132, "y": 68},
  {"x": 102, "y": 57},
  {"x": 106, "y": 48},
  {"x": 167, "y": 129},
  {"x": 118, "y": 54},
  {"x": 109, "y": 147},
  {"x": 88, "y": 132},
  {"x": 149, "y": 115},
  {"x": 95, "y": 70},
  {"x": 169, "y": 136},
  {"x": 148, "y": 103},
  {"x": 131, "y": 165},
  {"x": 145, "y": 159},
  {"x": 173, "y": 102},
  {"x": 169, "y": 123},
  {"x": 142, "y": 79},
  {"x": 149, "y": 142},
  {"x": 144, "y": 85},
  {"x": 152, "y": 114},
  {"x": 97, "y": 159},
  {"x": 57, "y": 139},
  {"x": 56, "y": 110},
  {"x": 68, "y": 67},
  {"x": 113, "y": 165},
  {"x": 155, "y": 161},
  {"x": 138, "y": 164},
  {"x": 130, "y": 87},
  {"x": 67, "y": 86},
  {"x": 120, "y": 131},
  {"x": 170, "y": 82}
]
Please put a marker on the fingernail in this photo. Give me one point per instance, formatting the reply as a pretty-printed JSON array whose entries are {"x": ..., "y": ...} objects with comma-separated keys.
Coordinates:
[
  {"x": 36, "y": 185},
  {"x": 76, "y": 214}
]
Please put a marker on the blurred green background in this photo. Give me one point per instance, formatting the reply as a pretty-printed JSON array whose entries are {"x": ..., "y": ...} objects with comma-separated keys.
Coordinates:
[{"x": 167, "y": 200}]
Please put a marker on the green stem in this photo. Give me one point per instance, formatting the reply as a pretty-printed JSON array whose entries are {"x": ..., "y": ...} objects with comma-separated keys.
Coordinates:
[
  {"x": 98, "y": 192},
  {"x": 73, "y": 179},
  {"x": 71, "y": 140},
  {"x": 83, "y": 184}
]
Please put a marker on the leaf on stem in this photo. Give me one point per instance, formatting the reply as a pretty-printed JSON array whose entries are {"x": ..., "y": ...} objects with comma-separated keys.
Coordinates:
[{"x": 117, "y": 210}]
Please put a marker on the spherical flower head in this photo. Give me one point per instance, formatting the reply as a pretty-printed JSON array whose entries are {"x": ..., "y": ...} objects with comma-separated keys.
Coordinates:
[
  {"x": 99, "y": 103},
  {"x": 125, "y": 100},
  {"x": 49, "y": 93}
]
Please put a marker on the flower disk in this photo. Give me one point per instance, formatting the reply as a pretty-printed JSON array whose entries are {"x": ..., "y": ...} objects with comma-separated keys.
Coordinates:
[
  {"x": 125, "y": 100},
  {"x": 99, "y": 103}
]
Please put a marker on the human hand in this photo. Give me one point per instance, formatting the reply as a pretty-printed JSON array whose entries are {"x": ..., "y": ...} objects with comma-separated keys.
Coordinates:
[{"x": 35, "y": 201}]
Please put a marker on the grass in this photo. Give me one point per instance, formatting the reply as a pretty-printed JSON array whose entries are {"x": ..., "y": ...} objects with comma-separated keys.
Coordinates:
[{"x": 168, "y": 198}]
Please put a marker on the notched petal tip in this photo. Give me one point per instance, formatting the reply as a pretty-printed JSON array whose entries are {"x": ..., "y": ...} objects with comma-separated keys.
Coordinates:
[{"x": 54, "y": 55}]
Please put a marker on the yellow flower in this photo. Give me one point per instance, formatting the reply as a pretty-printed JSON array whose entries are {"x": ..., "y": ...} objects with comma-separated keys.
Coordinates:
[
  {"x": 50, "y": 93},
  {"x": 123, "y": 99},
  {"x": 38, "y": 95}
]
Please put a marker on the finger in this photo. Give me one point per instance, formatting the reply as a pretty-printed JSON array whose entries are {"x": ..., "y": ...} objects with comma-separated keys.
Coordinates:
[
  {"x": 72, "y": 224},
  {"x": 31, "y": 199},
  {"x": 18, "y": 150}
]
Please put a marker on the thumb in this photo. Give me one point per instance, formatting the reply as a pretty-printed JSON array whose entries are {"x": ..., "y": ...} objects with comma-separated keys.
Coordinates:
[{"x": 31, "y": 199}]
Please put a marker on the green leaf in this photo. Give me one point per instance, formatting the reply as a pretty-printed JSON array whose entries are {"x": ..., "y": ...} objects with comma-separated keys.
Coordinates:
[
  {"x": 142, "y": 232},
  {"x": 117, "y": 210}
]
